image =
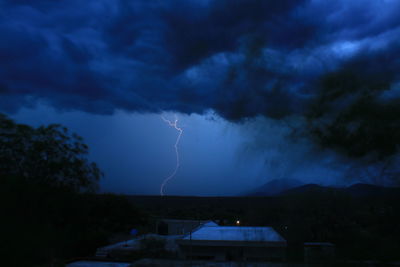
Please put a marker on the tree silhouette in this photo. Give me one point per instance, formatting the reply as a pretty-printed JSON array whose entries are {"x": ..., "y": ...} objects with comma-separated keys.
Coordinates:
[{"x": 46, "y": 155}]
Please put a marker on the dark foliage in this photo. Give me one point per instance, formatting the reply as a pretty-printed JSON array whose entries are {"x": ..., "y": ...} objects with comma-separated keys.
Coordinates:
[
  {"x": 48, "y": 211},
  {"x": 47, "y": 155}
]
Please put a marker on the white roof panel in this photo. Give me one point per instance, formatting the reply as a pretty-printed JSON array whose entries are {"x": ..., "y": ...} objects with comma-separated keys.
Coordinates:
[{"x": 236, "y": 233}]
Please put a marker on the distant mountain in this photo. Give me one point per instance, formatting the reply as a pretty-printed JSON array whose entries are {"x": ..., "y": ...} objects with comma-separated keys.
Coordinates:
[
  {"x": 275, "y": 187},
  {"x": 307, "y": 189},
  {"x": 360, "y": 190},
  {"x": 286, "y": 187},
  {"x": 364, "y": 189},
  {"x": 356, "y": 190}
]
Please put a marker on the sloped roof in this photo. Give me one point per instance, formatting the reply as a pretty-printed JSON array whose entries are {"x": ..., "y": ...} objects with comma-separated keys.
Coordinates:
[
  {"x": 236, "y": 233},
  {"x": 209, "y": 224}
]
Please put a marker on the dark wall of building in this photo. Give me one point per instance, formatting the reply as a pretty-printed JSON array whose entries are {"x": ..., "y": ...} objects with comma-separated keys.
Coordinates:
[
  {"x": 233, "y": 253},
  {"x": 319, "y": 253},
  {"x": 176, "y": 227}
]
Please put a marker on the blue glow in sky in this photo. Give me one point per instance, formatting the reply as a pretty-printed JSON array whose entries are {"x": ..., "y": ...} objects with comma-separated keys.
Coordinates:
[{"x": 136, "y": 152}]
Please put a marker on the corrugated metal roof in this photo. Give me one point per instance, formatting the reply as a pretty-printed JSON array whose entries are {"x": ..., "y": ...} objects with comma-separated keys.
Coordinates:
[{"x": 236, "y": 233}]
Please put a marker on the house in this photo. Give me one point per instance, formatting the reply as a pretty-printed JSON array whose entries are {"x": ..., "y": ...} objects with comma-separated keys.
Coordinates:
[
  {"x": 170, "y": 231},
  {"x": 179, "y": 227},
  {"x": 125, "y": 248},
  {"x": 233, "y": 243}
]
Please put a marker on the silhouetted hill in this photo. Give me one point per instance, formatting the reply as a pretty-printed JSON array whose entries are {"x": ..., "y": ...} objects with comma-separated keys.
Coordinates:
[
  {"x": 362, "y": 190},
  {"x": 307, "y": 189},
  {"x": 356, "y": 190},
  {"x": 275, "y": 187}
]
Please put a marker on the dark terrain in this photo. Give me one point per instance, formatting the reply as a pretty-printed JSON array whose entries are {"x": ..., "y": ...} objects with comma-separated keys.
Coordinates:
[{"x": 363, "y": 221}]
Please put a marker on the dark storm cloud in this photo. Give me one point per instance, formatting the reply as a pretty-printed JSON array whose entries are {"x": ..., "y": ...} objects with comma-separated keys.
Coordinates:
[
  {"x": 240, "y": 58},
  {"x": 356, "y": 113},
  {"x": 357, "y": 108}
]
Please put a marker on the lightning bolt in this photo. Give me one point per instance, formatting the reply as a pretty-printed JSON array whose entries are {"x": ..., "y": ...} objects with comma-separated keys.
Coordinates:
[{"x": 173, "y": 124}]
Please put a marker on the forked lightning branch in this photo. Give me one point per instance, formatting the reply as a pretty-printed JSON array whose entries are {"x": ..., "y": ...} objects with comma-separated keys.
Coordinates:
[{"x": 173, "y": 124}]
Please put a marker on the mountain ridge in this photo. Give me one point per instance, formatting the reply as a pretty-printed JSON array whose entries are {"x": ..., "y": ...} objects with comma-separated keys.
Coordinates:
[
  {"x": 287, "y": 187},
  {"x": 275, "y": 187}
]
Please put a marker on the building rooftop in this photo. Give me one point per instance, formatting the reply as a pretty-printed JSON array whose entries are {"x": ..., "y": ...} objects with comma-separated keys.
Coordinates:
[
  {"x": 209, "y": 224},
  {"x": 236, "y": 233}
]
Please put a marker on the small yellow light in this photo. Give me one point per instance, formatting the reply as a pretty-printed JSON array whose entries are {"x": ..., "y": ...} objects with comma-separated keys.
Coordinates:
[{"x": 237, "y": 222}]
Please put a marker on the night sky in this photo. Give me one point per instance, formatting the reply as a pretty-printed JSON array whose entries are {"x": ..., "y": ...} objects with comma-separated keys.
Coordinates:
[{"x": 263, "y": 90}]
